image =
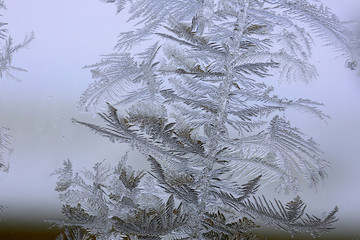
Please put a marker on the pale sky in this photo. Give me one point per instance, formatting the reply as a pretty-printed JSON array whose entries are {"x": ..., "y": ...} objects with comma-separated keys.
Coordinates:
[{"x": 71, "y": 34}]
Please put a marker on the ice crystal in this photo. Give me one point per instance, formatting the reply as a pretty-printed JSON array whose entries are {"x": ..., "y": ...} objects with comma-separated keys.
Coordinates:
[
  {"x": 5, "y": 148},
  {"x": 195, "y": 104},
  {"x": 7, "y": 50}
]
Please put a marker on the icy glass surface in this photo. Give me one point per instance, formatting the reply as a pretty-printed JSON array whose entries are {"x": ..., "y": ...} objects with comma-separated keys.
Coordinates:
[{"x": 206, "y": 112}]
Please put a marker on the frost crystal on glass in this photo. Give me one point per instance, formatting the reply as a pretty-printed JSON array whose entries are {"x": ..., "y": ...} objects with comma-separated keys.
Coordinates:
[
  {"x": 5, "y": 148},
  {"x": 196, "y": 104},
  {"x": 7, "y": 50}
]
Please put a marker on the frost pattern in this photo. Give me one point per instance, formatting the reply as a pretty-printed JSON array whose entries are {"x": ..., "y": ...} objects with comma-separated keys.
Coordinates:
[
  {"x": 7, "y": 50},
  {"x": 196, "y": 104},
  {"x": 6, "y": 54},
  {"x": 5, "y": 148}
]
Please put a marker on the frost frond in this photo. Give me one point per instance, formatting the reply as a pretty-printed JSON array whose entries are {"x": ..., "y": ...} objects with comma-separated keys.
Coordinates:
[
  {"x": 120, "y": 4},
  {"x": 151, "y": 15},
  {"x": 5, "y": 148},
  {"x": 290, "y": 218},
  {"x": 286, "y": 155},
  {"x": 151, "y": 224},
  {"x": 183, "y": 191},
  {"x": 119, "y": 129},
  {"x": 221, "y": 228},
  {"x": 65, "y": 176},
  {"x": 118, "y": 75},
  {"x": 197, "y": 106},
  {"x": 103, "y": 199},
  {"x": 6, "y": 54},
  {"x": 74, "y": 233},
  {"x": 326, "y": 25}
]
